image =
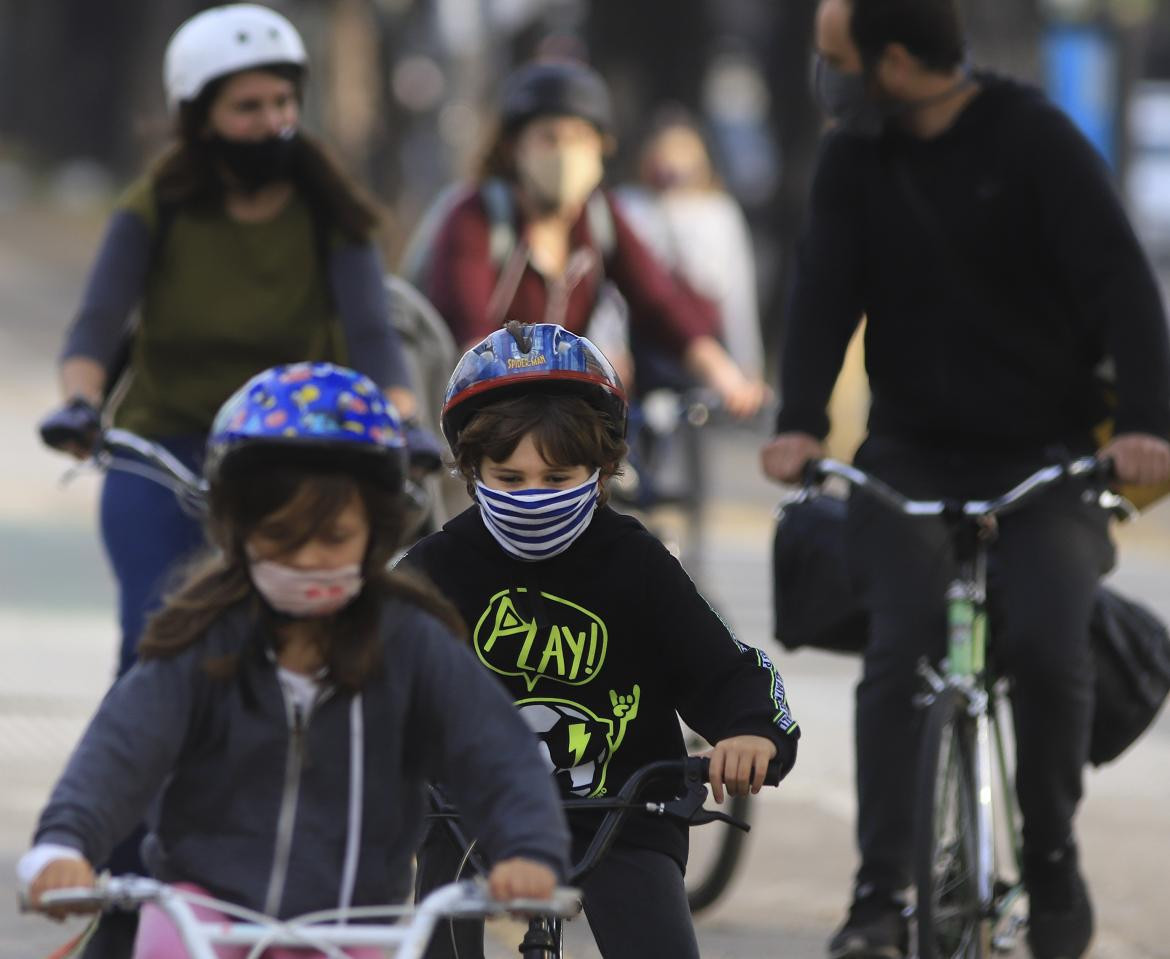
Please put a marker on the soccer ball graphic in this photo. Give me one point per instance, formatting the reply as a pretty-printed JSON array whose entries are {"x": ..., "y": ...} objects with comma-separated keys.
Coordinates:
[{"x": 573, "y": 742}]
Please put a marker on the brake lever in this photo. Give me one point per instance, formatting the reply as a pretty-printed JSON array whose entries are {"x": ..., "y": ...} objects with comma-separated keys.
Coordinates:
[{"x": 705, "y": 815}]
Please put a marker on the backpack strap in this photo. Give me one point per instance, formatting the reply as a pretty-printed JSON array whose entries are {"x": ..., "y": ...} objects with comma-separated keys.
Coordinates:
[
  {"x": 599, "y": 216},
  {"x": 497, "y": 200}
]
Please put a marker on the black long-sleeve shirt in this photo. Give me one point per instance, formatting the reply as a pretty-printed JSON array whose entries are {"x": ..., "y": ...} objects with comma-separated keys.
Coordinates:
[
  {"x": 990, "y": 298},
  {"x": 599, "y": 647}
]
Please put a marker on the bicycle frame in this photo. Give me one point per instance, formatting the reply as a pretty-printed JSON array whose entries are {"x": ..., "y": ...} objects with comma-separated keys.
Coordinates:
[{"x": 966, "y": 669}]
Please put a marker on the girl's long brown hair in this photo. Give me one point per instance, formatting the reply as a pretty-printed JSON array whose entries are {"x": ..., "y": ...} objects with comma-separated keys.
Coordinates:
[
  {"x": 186, "y": 175},
  {"x": 348, "y": 641}
]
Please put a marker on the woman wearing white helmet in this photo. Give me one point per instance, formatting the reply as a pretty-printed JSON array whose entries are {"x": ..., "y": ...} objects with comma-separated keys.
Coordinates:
[{"x": 243, "y": 247}]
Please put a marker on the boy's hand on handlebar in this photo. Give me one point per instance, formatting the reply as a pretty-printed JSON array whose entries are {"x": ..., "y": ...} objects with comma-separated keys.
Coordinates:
[
  {"x": 73, "y": 429},
  {"x": 62, "y": 874},
  {"x": 740, "y": 763},
  {"x": 1139, "y": 458},
  {"x": 784, "y": 457},
  {"x": 521, "y": 879}
]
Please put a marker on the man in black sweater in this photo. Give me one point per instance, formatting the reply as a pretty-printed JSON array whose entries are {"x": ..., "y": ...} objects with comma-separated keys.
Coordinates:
[{"x": 978, "y": 232}]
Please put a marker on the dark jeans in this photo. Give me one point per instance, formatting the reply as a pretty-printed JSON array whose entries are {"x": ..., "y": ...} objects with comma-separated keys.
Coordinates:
[
  {"x": 1045, "y": 565},
  {"x": 635, "y": 901},
  {"x": 147, "y": 536}
]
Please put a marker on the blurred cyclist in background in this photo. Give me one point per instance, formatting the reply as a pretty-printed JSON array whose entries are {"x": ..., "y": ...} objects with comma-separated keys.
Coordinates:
[
  {"x": 536, "y": 240},
  {"x": 697, "y": 229}
]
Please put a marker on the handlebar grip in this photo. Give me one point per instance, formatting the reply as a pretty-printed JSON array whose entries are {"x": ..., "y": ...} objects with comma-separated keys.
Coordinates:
[
  {"x": 811, "y": 474},
  {"x": 772, "y": 777}
]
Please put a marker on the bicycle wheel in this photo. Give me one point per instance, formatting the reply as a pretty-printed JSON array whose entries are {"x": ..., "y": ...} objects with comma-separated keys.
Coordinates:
[
  {"x": 715, "y": 852},
  {"x": 949, "y": 915}
]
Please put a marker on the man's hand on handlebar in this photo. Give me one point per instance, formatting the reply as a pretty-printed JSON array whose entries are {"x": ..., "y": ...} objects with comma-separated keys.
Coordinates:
[
  {"x": 1140, "y": 459},
  {"x": 784, "y": 457},
  {"x": 62, "y": 874},
  {"x": 73, "y": 429},
  {"x": 740, "y": 763}
]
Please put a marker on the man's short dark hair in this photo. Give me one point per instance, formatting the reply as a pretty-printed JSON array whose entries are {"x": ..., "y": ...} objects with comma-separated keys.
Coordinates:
[{"x": 930, "y": 30}]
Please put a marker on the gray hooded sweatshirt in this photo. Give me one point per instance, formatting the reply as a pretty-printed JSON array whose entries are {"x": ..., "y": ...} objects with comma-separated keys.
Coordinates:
[{"x": 264, "y": 806}]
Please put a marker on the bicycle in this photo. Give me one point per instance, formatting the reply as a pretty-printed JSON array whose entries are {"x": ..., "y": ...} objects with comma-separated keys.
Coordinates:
[
  {"x": 326, "y": 931},
  {"x": 967, "y": 904},
  {"x": 543, "y": 938}
]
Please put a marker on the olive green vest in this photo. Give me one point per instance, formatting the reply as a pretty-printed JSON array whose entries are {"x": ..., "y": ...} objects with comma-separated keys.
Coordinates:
[{"x": 222, "y": 300}]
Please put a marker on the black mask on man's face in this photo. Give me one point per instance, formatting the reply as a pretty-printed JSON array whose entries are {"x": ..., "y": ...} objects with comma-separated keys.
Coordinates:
[
  {"x": 846, "y": 97},
  {"x": 253, "y": 164},
  {"x": 858, "y": 104}
]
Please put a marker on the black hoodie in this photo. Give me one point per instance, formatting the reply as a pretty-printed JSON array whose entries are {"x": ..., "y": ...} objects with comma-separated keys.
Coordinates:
[{"x": 600, "y": 647}]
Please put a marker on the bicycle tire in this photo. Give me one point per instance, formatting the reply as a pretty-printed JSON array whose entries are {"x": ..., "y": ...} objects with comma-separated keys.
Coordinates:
[
  {"x": 949, "y": 917},
  {"x": 705, "y": 888}
]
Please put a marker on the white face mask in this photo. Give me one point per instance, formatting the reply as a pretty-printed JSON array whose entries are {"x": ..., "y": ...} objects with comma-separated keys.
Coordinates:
[
  {"x": 535, "y": 524},
  {"x": 305, "y": 592},
  {"x": 560, "y": 178}
]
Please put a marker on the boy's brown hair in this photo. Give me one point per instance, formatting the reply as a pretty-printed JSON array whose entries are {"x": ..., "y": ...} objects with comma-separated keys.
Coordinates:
[{"x": 567, "y": 430}]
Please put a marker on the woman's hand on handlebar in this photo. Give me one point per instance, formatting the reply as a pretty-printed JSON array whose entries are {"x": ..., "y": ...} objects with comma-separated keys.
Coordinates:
[
  {"x": 707, "y": 359},
  {"x": 739, "y": 763},
  {"x": 73, "y": 429},
  {"x": 521, "y": 879},
  {"x": 784, "y": 457},
  {"x": 62, "y": 874}
]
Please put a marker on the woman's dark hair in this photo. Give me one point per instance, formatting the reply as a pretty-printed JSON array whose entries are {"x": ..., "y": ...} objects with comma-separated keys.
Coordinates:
[
  {"x": 566, "y": 429},
  {"x": 347, "y": 640},
  {"x": 186, "y": 175},
  {"x": 931, "y": 30},
  {"x": 498, "y": 159}
]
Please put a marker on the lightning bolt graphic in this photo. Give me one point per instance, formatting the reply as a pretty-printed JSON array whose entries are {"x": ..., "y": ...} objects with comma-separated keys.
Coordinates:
[{"x": 578, "y": 741}]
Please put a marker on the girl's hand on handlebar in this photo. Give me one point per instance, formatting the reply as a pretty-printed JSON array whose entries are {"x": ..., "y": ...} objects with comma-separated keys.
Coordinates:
[
  {"x": 740, "y": 763},
  {"x": 62, "y": 874},
  {"x": 521, "y": 879}
]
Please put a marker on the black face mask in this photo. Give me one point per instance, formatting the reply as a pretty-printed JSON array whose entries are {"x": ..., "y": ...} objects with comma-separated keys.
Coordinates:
[{"x": 253, "y": 164}]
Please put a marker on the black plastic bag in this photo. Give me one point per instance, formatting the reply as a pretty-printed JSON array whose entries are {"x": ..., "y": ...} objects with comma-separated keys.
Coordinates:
[
  {"x": 813, "y": 597},
  {"x": 1131, "y": 652},
  {"x": 816, "y": 605}
]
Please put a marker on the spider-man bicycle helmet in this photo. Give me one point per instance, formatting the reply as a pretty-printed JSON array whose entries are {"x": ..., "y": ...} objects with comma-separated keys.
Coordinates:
[
  {"x": 308, "y": 414},
  {"x": 529, "y": 358}
]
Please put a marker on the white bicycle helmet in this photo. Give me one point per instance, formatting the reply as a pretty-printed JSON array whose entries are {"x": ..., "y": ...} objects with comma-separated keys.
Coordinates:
[{"x": 225, "y": 40}]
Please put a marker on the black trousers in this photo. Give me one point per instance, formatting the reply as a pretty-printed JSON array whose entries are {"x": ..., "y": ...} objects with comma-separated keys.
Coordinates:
[
  {"x": 1045, "y": 564},
  {"x": 635, "y": 901}
]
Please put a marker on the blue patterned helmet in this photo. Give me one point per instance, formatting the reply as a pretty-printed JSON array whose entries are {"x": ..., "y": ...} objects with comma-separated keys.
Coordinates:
[
  {"x": 524, "y": 359},
  {"x": 308, "y": 414}
]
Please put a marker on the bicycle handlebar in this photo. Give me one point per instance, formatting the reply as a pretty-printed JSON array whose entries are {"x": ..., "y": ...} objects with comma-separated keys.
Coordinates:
[
  {"x": 694, "y": 771},
  {"x": 466, "y": 899},
  {"x": 816, "y": 471}
]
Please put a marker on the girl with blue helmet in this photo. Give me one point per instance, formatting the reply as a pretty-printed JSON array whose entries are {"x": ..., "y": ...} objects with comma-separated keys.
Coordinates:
[
  {"x": 595, "y": 630},
  {"x": 290, "y": 699}
]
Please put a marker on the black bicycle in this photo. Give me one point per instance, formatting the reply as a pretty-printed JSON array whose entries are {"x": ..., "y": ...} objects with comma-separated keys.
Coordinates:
[{"x": 686, "y": 779}]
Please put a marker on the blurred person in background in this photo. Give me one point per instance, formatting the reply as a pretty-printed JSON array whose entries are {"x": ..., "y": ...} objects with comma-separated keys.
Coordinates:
[
  {"x": 536, "y": 240},
  {"x": 242, "y": 248},
  {"x": 681, "y": 211}
]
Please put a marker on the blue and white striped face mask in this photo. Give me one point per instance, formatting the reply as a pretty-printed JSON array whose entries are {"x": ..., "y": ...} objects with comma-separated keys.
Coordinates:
[{"x": 535, "y": 524}]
